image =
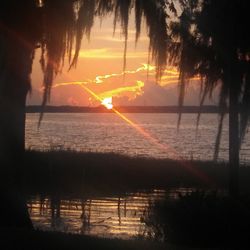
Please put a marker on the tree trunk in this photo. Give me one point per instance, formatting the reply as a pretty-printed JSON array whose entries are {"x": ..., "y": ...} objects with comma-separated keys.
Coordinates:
[
  {"x": 16, "y": 62},
  {"x": 234, "y": 141},
  {"x": 233, "y": 145}
]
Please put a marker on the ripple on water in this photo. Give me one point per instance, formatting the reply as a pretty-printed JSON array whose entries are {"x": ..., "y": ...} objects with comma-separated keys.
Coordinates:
[
  {"x": 109, "y": 133},
  {"x": 113, "y": 217}
]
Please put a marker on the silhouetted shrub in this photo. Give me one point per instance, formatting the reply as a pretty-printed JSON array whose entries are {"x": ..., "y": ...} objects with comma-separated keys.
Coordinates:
[{"x": 201, "y": 219}]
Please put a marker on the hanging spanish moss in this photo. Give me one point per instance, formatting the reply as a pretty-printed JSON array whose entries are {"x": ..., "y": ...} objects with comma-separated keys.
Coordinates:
[
  {"x": 66, "y": 22},
  {"x": 210, "y": 40}
]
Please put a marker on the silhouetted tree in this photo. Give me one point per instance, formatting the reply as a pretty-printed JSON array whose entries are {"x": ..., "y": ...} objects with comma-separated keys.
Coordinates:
[
  {"x": 57, "y": 28},
  {"x": 211, "y": 39}
]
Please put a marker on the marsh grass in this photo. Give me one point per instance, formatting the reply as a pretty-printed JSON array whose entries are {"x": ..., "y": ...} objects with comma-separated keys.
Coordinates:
[
  {"x": 97, "y": 173},
  {"x": 192, "y": 220},
  {"x": 202, "y": 219}
]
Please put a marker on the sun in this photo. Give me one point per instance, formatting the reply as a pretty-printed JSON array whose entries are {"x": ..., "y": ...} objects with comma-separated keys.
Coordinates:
[{"x": 107, "y": 102}]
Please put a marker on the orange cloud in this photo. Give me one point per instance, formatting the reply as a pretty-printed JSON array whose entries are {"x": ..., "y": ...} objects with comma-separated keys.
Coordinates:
[
  {"x": 129, "y": 84},
  {"x": 136, "y": 90},
  {"x": 107, "y": 53}
]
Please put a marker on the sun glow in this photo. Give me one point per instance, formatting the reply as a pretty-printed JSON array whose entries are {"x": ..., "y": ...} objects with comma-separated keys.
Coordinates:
[
  {"x": 107, "y": 102},
  {"x": 131, "y": 88},
  {"x": 124, "y": 86},
  {"x": 189, "y": 167}
]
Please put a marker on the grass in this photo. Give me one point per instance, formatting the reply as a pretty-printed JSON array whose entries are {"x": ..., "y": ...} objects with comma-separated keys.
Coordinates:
[
  {"x": 101, "y": 173},
  {"x": 96, "y": 174}
]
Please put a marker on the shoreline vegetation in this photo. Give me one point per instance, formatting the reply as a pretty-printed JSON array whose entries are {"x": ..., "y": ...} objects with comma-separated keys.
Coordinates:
[
  {"x": 126, "y": 109},
  {"x": 71, "y": 171},
  {"x": 40, "y": 240},
  {"x": 75, "y": 172},
  {"x": 88, "y": 175}
]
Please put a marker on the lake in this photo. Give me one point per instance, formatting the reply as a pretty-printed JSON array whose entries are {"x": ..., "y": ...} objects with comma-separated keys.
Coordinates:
[
  {"x": 140, "y": 135},
  {"x": 137, "y": 135},
  {"x": 110, "y": 217}
]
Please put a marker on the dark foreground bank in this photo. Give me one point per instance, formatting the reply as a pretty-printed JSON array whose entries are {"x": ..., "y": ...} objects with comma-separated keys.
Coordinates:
[
  {"x": 102, "y": 173},
  {"x": 78, "y": 174},
  {"x": 13, "y": 239},
  {"x": 30, "y": 240},
  {"x": 202, "y": 219}
]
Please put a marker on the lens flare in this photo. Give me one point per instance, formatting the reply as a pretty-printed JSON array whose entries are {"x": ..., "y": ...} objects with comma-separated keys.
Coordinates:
[
  {"x": 168, "y": 149},
  {"x": 105, "y": 99}
]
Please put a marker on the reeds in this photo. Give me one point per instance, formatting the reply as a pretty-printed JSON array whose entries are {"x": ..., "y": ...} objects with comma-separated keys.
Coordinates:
[
  {"x": 79, "y": 172},
  {"x": 202, "y": 219}
]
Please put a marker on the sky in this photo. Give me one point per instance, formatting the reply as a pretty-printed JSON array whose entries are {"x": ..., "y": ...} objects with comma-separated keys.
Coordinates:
[{"x": 100, "y": 69}]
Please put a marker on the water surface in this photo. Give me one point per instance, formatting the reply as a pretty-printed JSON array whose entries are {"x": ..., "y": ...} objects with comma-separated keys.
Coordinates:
[
  {"x": 113, "y": 216},
  {"x": 109, "y": 133}
]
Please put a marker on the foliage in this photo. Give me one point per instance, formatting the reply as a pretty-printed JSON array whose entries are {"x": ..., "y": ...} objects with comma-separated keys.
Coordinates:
[
  {"x": 199, "y": 36},
  {"x": 67, "y": 171},
  {"x": 58, "y": 26},
  {"x": 201, "y": 219},
  {"x": 211, "y": 39}
]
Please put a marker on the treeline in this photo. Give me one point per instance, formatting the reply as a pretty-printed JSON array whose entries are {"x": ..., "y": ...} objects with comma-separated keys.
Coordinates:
[{"x": 125, "y": 109}]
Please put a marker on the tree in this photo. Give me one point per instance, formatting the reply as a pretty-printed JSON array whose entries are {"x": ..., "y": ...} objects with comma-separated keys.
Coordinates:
[
  {"x": 57, "y": 28},
  {"x": 210, "y": 39}
]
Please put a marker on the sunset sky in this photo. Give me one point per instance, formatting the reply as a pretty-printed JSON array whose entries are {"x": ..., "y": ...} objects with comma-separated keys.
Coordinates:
[{"x": 100, "y": 68}]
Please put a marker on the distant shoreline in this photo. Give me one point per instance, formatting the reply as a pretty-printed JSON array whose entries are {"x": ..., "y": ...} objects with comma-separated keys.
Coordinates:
[{"x": 124, "y": 109}]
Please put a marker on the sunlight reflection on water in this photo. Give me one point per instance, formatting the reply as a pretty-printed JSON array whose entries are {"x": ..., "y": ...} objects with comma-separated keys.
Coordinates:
[
  {"x": 108, "y": 133},
  {"x": 113, "y": 217}
]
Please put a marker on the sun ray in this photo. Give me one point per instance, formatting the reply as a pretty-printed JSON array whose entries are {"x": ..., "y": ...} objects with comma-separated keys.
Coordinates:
[
  {"x": 105, "y": 99},
  {"x": 107, "y": 102},
  {"x": 189, "y": 167}
]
